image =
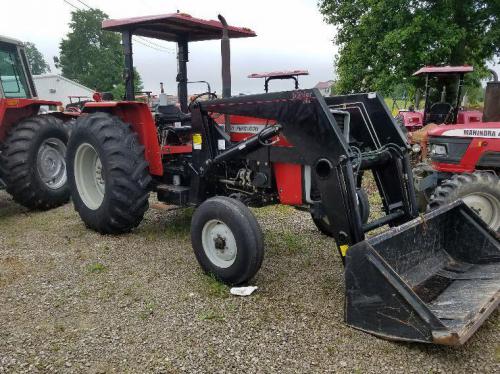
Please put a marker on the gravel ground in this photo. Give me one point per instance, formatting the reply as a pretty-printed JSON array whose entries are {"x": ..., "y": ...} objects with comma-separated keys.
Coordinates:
[{"x": 72, "y": 300}]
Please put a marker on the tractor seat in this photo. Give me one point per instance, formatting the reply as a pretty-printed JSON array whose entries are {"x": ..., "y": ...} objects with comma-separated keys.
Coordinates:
[
  {"x": 171, "y": 113},
  {"x": 439, "y": 112}
]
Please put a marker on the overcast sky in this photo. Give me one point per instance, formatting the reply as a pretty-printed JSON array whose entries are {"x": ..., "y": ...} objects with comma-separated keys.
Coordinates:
[{"x": 291, "y": 34}]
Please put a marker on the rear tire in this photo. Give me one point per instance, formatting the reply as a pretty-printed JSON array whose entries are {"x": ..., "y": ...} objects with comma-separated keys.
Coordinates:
[
  {"x": 107, "y": 173},
  {"x": 479, "y": 190},
  {"x": 227, "y": 240},
  {"x": 33, "y": 163}
]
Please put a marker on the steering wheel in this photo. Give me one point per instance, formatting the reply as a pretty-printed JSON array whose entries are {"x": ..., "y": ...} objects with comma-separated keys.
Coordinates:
[{"x": 195, "y": 98}]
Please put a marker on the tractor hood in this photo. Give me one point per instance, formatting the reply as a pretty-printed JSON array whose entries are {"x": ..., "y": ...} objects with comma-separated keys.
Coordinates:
[{"x": 478, "y": 130}]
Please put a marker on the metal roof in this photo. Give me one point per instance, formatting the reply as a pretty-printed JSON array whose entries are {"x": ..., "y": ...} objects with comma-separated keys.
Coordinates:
[
  {"x": 444, "y": 69},
  {"x": 5, "y": 39},
  {"x": 276, "y": 74},
  {"x": 324, "y": 85},
  {"x": 175, "y": 26}
]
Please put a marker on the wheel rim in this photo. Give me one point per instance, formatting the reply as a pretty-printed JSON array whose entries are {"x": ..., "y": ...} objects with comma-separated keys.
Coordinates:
[
  {"x": 89, "y": 178},
  {"x": 219, "y": 243},
  {"x": 486, "y": 206},
  {"x": 51, "y": 163}
]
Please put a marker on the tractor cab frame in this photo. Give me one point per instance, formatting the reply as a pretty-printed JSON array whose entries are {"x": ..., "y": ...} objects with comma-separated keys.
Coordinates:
[
  {"x": 179, "y": 28},
  {"x": 440, "y": 111},
  {"x": 280, "y": 75},
  {"x": 432, "y": 112}
]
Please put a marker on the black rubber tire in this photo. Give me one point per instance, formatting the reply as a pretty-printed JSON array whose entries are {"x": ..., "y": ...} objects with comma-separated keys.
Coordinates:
[
  {"x": 247, "y": 233},
  {"x": 18, "y": 160},
  {"x": 124, "y": 171},
  {"x": 364, "y": 205},
  {"x": 462, "y": 185}
]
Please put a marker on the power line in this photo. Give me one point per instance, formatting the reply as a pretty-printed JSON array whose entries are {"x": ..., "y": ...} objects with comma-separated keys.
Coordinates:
[
  {"x": 151, "y": 45},
  {"x": 155, "y": 44},
  {"x": 81, "y": 2},
  {"x": 74, "y": 6},
  {"x": 144, "y": 42}
]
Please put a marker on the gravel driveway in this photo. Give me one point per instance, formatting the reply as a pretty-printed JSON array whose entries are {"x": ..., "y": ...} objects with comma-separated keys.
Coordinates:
[{"x": 72, "y": 300}]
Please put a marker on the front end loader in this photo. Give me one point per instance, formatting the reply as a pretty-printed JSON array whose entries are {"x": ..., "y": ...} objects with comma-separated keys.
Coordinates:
[{"x": 432, "y": 278}]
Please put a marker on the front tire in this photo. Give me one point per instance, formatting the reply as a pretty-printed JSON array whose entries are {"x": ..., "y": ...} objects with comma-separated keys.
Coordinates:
[
  {"x": 227, "y": 240},
  {"x": 107, "y": 173},
  {"x": 33, "y": 163},
  {"x": 479, "y": 190}
]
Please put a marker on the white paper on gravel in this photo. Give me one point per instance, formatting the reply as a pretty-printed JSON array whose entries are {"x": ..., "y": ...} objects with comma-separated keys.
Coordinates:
[{"x": 242, "y": 291}]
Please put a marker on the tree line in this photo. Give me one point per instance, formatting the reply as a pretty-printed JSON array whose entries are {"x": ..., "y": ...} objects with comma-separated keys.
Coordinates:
[
  {"x": 88, "y": 55},
  {"x": 381, "y": 43}
]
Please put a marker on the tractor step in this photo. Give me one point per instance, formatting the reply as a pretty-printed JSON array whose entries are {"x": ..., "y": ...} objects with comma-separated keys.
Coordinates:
[
  {"x": 173, "y": 194},
  {"x": 434, "y": 279}
]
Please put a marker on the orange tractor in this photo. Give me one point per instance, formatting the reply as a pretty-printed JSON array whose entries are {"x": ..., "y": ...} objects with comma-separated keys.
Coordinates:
[{"x": 32, "y": 145}]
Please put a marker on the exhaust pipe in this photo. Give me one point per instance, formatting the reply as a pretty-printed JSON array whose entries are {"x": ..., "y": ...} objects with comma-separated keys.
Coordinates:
[
  {"x": 494, "y": 75},
  {"x": 226, "y": 67},
  {"x": 226, "y": 59},
  {"x": 491, "y": 110}
]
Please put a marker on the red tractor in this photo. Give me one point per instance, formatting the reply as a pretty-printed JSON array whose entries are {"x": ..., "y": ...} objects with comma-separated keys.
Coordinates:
[
  {"x": 280, "y": 75},
  {"x": 438, "y": 107},
  {"x": 465, "y": 163},
  {"x": 32, "y": 146},
  {"x": 412, "y": 282}
]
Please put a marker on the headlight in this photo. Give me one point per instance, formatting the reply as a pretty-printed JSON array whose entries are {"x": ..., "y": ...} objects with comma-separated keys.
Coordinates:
[
  {"x": 438, "y": 149},
  {"x": 415, "y": 148}
]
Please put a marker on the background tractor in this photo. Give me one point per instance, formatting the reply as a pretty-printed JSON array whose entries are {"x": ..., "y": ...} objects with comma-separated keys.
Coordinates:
[
  {"x": 430, "y": 279},
  {"x": 32, "y": 146},
  {"x": 443, "y": 96},
  {"x": 465, "y": 163}
]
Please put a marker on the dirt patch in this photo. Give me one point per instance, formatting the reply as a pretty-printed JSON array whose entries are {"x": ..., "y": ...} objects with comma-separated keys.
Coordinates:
[{"x": 77, "y": 301}]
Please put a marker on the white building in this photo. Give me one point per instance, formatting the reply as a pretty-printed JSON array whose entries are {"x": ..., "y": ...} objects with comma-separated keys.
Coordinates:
[
  {"x": 58, "y": 88},
  {"x": 325, "y": 87}
]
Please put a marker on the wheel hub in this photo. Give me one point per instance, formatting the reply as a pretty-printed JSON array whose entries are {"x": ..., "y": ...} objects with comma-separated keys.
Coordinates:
[
  {"x": 51, "y": 163},
  {"x": 219, "y": 243},
  {"x": 89, "y": 176},
  {"x": 486, "y": 206}
]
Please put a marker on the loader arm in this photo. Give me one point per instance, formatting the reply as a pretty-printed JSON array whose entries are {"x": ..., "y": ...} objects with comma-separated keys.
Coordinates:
[{"x": 317, "y": 141}]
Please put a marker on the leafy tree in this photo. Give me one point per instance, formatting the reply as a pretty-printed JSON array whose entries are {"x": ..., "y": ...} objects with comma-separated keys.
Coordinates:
[
  {"x": 36, "y": 61},
  {"x": 91, "y": 56},
  {"x": 119, "y": 90},
  {"x": 382, "y": 42}
]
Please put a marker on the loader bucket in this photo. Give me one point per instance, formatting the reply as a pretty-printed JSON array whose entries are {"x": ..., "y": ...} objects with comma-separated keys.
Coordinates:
[{"x": 434, "y": 279}]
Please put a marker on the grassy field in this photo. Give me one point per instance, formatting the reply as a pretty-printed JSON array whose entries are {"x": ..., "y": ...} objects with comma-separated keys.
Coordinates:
[{"x": 76, "y": 301}]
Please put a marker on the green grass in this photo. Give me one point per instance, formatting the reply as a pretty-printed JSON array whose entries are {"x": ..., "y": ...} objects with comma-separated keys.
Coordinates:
[
  {"x": 399, "y": 104},
  {"x": 285, "y": 242},
  {"x": 213, "y": 288},
  {"x": 96, "y": 268},
  {"x": 147, "y": 310},
  {"x": 180, "y": 224},
  {"x": 210, "y": 315}
]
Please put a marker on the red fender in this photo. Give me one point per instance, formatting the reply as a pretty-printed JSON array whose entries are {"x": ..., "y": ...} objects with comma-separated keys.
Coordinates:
[
  {"x": 14, "y": 110},
  {"x": 139, "y": 116}
]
